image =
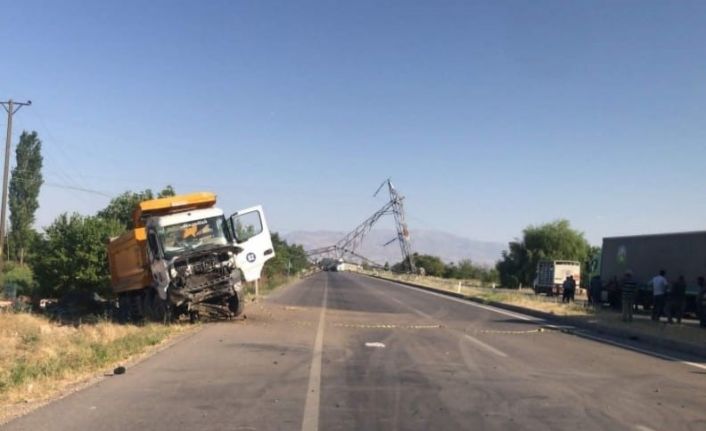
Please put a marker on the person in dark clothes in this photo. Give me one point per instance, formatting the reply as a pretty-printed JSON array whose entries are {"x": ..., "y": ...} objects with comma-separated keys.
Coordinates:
[
  {"x": 628, "y": 289},
  {"x": 677, "y": 300},
  {"x": 572, "y": 287},
  {"x": 565, "y": 287},
  {"x": 594, "y": 291}
]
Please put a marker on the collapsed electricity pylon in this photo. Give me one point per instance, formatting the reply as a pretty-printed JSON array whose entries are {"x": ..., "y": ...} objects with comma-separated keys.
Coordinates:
[{"x": 348, "y": 245}]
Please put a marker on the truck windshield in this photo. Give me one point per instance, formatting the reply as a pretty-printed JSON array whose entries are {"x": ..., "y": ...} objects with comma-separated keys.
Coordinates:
[{"x": 193, "y": 235}]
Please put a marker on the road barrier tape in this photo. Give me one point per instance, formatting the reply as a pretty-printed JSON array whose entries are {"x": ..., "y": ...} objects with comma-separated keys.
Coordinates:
[
  {"x": 497, "y": 332},
  {"x": 384, "y": 326}
]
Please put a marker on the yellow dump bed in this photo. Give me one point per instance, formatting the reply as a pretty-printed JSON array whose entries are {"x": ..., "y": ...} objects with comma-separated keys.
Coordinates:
[{"x": 129, "y": 266}]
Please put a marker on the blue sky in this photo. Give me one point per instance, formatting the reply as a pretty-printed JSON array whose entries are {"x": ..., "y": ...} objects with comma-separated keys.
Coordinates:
[{"x": 488, "y": 116}]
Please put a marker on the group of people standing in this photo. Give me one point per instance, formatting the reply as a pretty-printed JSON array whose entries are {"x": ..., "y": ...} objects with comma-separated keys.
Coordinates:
[{"x": 668, "y": 299}]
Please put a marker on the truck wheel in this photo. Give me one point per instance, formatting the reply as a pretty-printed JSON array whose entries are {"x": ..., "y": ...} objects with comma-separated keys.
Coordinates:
[
  {"x": 193, "y": 317},
  {"x": 236, "y": 306},
  {"x": 156, "y": 308}
]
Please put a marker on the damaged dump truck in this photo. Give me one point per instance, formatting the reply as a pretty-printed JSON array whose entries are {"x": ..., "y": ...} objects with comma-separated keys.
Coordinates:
[{"x": 184, "y": 258}]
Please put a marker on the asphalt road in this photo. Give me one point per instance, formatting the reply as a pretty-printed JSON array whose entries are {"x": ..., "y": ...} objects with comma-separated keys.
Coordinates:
[{"x": 302, "y": 360}]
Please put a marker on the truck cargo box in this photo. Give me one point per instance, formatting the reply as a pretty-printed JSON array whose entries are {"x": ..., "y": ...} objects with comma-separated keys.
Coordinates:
[
  {"x": 681, "y": 253},
  {"x": 129, "y": 266}
]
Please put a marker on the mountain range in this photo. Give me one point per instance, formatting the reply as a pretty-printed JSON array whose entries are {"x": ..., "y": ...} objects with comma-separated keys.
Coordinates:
[{"x": 447, "y": 246}]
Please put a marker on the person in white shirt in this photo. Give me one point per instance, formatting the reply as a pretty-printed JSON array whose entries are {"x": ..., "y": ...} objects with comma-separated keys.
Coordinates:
[{"x": 659, "y": 294}]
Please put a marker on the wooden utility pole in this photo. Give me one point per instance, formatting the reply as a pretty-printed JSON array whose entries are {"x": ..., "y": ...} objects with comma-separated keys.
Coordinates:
[{"x": 11, "y": 107}]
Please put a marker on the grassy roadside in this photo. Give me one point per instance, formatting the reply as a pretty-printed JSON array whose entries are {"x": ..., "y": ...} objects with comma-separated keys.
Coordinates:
[
  {"x": 39, "y": 359},
  {"x": 689, "y": 334},
  {"x": 475, "y": 289}
]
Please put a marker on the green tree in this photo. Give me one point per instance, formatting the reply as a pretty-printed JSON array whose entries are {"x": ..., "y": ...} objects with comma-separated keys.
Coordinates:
[
  {"x": 121, "y": 207},
  {"x": 289, "y": 258},
  {"x": 166, "y": 192},
  {"x": 25, "y": 184},
  {"x": 550, "y": 241},
  {"x": 19, "y": 275},
  {"x": 74, "y": 256},
  {"x": 433, "y": 265}
]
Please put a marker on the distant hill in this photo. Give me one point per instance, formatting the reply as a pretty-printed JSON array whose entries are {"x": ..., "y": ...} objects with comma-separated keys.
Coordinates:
[{"x": 449, "y": 247}]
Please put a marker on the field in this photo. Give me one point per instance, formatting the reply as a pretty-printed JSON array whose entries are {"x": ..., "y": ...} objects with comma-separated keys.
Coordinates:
[{"x": 39, "y": 359}]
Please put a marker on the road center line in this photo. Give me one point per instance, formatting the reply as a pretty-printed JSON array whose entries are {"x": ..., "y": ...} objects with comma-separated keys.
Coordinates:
[
  {"x": 313, "y": 392},
  {"x": 486, "y": 346}
]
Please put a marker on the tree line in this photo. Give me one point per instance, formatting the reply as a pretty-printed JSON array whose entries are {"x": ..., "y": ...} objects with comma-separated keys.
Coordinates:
[
  {"x": 556, "y": 240},
  {"x": 434, "y": 266},
  {"x": 517, "y": 266},
  {"x": 71, "y": 253}
]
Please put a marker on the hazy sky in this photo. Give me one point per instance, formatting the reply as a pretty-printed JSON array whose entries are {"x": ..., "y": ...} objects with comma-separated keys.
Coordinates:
[{"x": 488, "y": 116}]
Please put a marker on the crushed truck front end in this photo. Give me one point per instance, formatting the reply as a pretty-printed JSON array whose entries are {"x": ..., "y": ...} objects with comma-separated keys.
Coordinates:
[
  {"x": 186, "y": 258},
  {"x": 194, "y": 263}
]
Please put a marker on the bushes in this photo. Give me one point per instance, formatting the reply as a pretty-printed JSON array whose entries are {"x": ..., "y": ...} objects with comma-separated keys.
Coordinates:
[
  {"x": 72, "y": 255},
  {"x": 20, "y": 276},
  {"x": 435, "y": 267}
]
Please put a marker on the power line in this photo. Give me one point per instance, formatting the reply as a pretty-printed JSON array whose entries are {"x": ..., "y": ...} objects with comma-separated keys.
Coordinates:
[
  {"x": 65, "y": 186},
  {"x": 58, "y": 145}
]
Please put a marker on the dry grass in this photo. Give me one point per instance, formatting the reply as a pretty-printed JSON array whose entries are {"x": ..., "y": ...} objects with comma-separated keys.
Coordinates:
[{"x": 39, "y": 358}]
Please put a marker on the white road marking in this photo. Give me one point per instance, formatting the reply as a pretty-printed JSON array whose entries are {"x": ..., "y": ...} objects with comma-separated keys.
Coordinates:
[
  {"x": 543, "y": 321},
  {"x": 643, "y": 428},
  {"x": 313, "y": 392},
  {"x": 430, "y": 317},
  {"x": 486, "y": 346},
  {"x": 376, "y": 344},
  {"x": 645, "y": 351}
]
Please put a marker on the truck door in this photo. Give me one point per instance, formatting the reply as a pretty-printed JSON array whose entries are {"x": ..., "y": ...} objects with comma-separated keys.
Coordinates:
[{"x": 249, "y": 228}]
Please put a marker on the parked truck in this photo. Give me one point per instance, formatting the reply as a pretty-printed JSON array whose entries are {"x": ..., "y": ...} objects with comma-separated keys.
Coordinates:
[
  {"x": 552, "y": 273},
  {"x": 184, "y": 257},
  {"x": 682, "y": 253}
]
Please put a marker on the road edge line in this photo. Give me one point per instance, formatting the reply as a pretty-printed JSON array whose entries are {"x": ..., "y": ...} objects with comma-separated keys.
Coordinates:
[{"x": 498, "y": 308}]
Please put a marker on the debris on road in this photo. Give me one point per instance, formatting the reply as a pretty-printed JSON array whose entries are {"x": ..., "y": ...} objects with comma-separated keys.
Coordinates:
[
  {"x": 375, "y": 344},
  {"x": 119, "y": 370}
]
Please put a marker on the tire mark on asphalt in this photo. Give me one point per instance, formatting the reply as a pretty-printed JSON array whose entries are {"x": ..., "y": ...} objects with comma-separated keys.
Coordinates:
[
  {"x": 310, "y": 422},
  {"x": 487, "y": 347}
]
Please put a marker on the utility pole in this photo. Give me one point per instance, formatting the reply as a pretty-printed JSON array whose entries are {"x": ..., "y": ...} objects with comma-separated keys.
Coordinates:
[{"x": 11, "y": 107}]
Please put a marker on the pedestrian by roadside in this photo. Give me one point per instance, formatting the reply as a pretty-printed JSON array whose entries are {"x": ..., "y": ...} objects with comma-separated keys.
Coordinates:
[
  {"x": 565, "y": 287},
  {"x": 701, "y": 301},
  {"x": 594, "y": 291},
  {"x": 628, "y": 289},
  {"x": 676, "y": 300},
  {"x": 659, "y": 294},
  {"x": 572, "y": 289}
]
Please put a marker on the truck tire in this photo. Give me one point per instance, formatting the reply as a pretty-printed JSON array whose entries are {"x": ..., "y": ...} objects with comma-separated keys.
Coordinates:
[
  {"x": 156, "y": 308},
  {"x": 236, "y": 306}
]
